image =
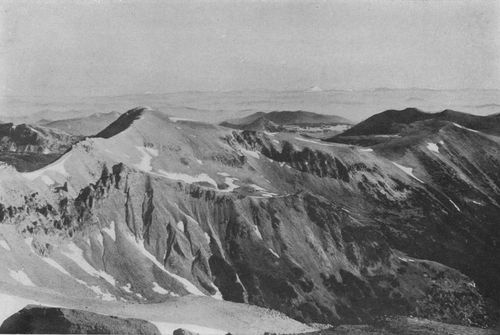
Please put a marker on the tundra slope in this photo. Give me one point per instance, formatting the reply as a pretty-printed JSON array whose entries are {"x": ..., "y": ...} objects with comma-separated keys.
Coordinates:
[{"x": 152, "y": 209}]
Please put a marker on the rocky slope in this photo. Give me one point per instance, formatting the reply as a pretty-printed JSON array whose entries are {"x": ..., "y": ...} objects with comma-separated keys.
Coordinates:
[
  {"x": 30, "y": 147},
  {"x": 151, "y": 209},
  {"x": 36, "y": 139}
]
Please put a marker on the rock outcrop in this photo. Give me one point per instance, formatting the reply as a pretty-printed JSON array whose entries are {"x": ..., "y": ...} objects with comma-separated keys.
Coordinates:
[{"x": 49, "y": 320}]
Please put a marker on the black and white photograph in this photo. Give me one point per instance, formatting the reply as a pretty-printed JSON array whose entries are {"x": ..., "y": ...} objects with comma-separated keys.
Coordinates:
[{"x": 250, "y": 167}]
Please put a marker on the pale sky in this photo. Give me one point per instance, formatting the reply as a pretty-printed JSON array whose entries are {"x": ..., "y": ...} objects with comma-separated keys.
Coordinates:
[{"x": 52, "y": 48}]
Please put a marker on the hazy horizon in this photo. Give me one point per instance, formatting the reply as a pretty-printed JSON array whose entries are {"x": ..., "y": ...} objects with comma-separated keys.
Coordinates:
[
  {"x": 374, "y": 89},
  {"x": 88, "y": 49},
  {"x": 218, "y": 106}
]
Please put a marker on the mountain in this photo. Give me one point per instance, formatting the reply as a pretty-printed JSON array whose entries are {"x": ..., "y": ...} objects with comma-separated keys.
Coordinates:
[
  {"x": 160, "y": 219},
  {"x": 28, "y": 147},
  {"x": 288, "y": 118},
  {"x": 391, "y": 122},
  {"x": 83, "y": 126}
]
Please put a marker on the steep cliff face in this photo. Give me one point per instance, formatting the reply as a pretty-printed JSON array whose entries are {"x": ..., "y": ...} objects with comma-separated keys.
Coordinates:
[{"x": 322, "y": 232}]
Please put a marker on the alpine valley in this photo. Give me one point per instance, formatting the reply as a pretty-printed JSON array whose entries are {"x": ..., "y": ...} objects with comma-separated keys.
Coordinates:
[{"x": 258, "y": 225}]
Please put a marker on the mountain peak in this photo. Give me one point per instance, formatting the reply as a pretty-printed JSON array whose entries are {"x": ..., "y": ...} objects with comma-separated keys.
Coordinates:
[{"x": 125, "y": 120}]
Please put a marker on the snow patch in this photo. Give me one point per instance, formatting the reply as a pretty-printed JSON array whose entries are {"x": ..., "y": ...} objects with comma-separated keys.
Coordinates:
[
  {"x": 21, "y": 277},
  {"x": 217, "y": 295},
  {"x": 110, "y": 231},
  {"x": 186, "y": 283},
  {"x": 127, "y": 288},
  {"x": 251, "y": 153},
  {"x": 106, "y": 296},
  {"x": 454, "y": 204},
  {"x": 408, "y": 171},
  {"x": 158, "y": 289},
  {"x": 433, "y": 147},
  {"x": 230, "y": 183},
  {"x": 366, "y": 150},
  {"x": 199, "y": 161},
  {"x": 258, "y": 188},
  {"x": 76, "y": 254},
  {"x": 274, "y": 253},
  {"x": 4, "y": 245},
  {"x": 265, "y": 193},
  {"x": 102, "y": 295},
  {"x": 462, "y": 127},
  {"x": 55, "y": 265},
  {"x": 152, "y": 151},
  {"x": 100, "y": 239},
  {"x": 145, "y": 163},
  {"x": 46, "y": 151},
  {"x": 180, "y": 226},
  {"x": 257, "y": 231},
  {"x": 207, "y": 237},
  {"x": 188, "y": 178}
]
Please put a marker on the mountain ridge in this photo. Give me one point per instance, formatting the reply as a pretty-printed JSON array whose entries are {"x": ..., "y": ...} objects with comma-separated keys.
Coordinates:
[
  {"x": 281, "y": 118},
  {"x": 322, "y": 232},
  {"x": 391, "y": 122}
]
